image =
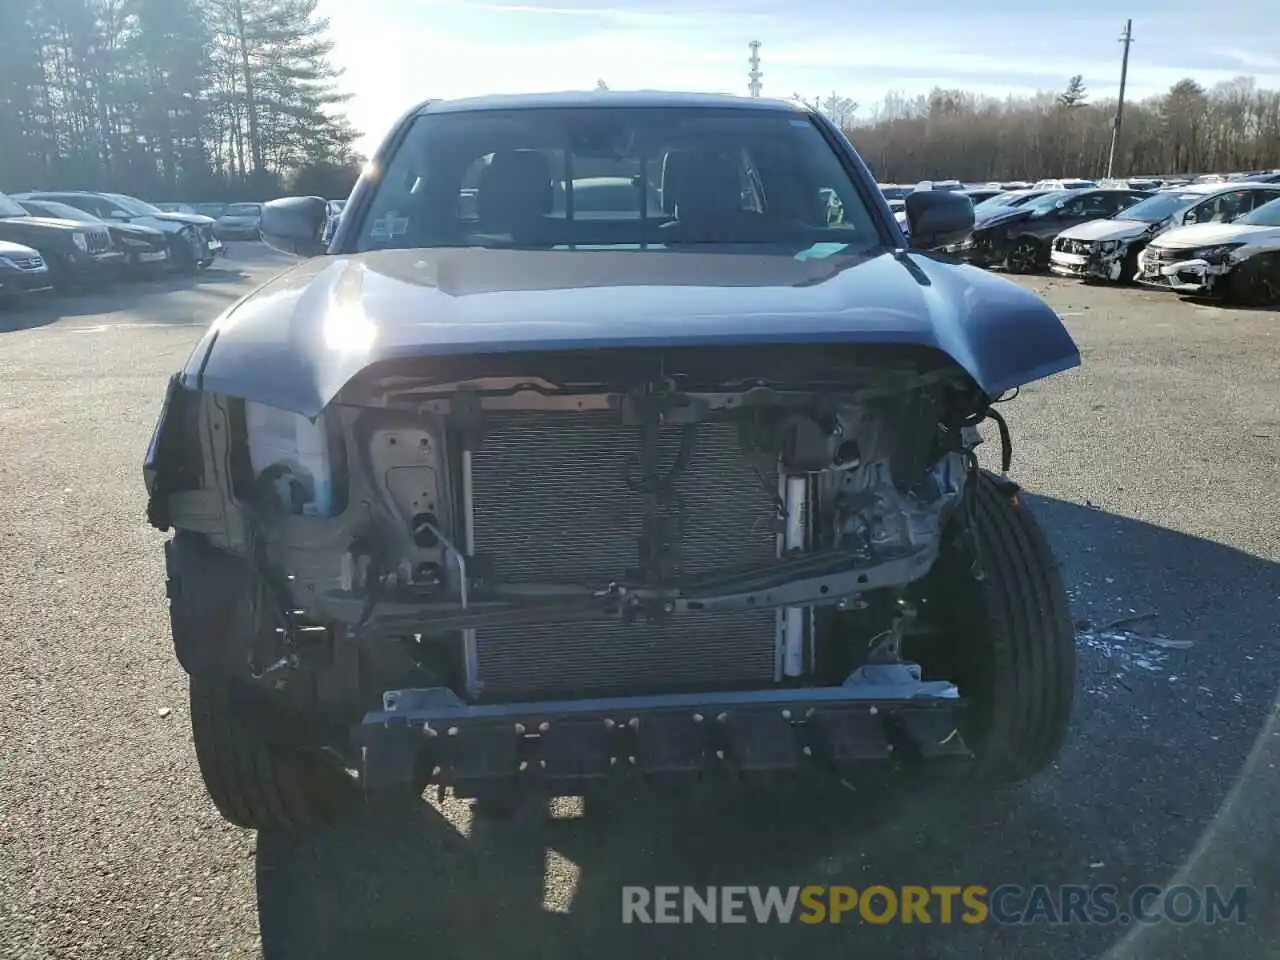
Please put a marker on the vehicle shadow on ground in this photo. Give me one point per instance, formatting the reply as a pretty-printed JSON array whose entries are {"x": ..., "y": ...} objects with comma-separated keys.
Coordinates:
[
  {"x": 143, "y": 297},
  {"x": 1152, "y": 754}
]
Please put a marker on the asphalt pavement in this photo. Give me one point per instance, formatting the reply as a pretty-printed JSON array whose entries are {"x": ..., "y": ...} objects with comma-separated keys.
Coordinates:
[{"x": 1155, "y": 469}]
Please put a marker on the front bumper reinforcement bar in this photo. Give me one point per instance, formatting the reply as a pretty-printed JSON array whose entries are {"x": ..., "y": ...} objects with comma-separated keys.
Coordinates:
[{"x": 429, "y": 736}]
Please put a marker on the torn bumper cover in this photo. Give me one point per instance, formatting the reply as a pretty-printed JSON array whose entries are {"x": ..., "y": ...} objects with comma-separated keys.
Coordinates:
[
  {"x": 1195, "y": 276},
  {"x": 882, "y": 712},
  {"x": 1186, "y": 271},
  {"x": 1083, "y": 259}
]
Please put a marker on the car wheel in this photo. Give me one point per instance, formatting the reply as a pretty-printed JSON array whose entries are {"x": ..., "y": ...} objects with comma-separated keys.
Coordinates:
[
  {"x": 184, "y": 251},
  {"x": 255, "y": 783},
  {"x": 1006, "y": 637},
  {"x": 1026, "y": 257},
  {"x": 261, "y": 768},
  {"x": 1129, "y": 270},
  {"x": 1256, "y": 282},
  {"x": 62, "y": 275}
]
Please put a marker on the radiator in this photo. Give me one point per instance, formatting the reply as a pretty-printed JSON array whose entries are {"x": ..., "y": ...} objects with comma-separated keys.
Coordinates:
[{"x": 552, "y": 504}]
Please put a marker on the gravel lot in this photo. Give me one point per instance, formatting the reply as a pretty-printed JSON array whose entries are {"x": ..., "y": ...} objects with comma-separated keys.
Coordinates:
[{"x": 1154, "y": 468}]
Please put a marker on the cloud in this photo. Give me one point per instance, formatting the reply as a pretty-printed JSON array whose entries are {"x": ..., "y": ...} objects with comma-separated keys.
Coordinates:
[{"x": 1251, "y": 61}]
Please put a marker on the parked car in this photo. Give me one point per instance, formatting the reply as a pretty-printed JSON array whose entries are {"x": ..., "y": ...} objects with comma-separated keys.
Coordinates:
[
  {"x": 1067, "y": 184},
  {"x": 192, "y": 245},
  {"x": 333, "y": 213},
  {"x": 145, "y": 249},
  {"x": 1019, "y": 238},
  {"x": 239, "y": 221},
  {"x": 894, "y": 191},
  {"x": 211, "y": 210},
  {"x": 978, "y": 194},
  {"x": 899, "y": 210},
  {"x": 950, "y": 186},
  {"x": 22, "y": 271},
  {"x": 1010, "y": 198},
  {"x": 175, "y": 207},
  {"x": 1239, "y": 260},
  {"x": 1109, "y": 249},
  {"x": 77, "y": 254},
  {"x": 651, "y": 496}
]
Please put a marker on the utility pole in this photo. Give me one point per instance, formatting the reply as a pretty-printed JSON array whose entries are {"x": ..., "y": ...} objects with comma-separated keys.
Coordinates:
[
  {"x": 1126, "y": 39},
  {"x": 754, "y": 75}
]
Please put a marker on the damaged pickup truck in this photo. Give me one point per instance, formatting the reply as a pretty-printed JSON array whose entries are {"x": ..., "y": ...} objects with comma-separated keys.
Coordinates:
[
  {"x": 495, "y": 497},
  {"x": 1238, "y": 261}
]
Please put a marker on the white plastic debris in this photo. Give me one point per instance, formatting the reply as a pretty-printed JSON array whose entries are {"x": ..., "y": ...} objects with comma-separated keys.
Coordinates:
[{"x": 1118, "y": 643}]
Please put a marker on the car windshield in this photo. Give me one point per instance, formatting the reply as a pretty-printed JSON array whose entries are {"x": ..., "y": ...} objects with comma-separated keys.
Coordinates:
[
  {"x": 617, "y": 178},
  {"x": 135, "y": 206},
  {"x": 999, "y": 200},
  {"x": 1267, "y": 215},
  {"x": 241, "y": 210},
  {"x": 1159, "y": 206},
  {"x": 1013, "y": 198},
  {"x": 62, "y": 211},
  {"x": 1049, "y": 201},
  {"x": 10, "y": 208}
]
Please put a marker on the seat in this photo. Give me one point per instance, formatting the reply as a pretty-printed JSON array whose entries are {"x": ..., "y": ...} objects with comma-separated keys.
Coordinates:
[
  {"x": 701, "y": 189},
  {"x": 514, "y": 195}
]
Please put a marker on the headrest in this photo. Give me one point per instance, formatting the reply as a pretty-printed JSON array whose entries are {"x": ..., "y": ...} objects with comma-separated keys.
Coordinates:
[
  {"x": 699, "y": 183},
  {"x": 514, "y": 187}
]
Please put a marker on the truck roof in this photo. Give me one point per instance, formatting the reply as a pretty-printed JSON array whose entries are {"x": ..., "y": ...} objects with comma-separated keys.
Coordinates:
[{"x": 606, "y": 98}]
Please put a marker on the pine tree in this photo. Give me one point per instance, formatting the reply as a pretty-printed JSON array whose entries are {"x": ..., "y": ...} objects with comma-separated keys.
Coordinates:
[{"x": 1076, "y": 94}]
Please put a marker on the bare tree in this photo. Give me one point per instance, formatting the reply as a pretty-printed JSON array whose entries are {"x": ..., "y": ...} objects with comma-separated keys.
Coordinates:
[{"x": 953, "y": 133}]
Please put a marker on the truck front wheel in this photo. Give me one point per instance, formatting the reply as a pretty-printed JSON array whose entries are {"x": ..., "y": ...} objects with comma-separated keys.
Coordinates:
[
  {"x": 255, "y": 783},
  {"x": 1007, "y": 639}
]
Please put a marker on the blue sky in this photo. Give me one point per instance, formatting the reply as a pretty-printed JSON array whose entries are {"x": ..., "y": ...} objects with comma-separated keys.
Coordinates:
[{"x": 397, "y": 52}]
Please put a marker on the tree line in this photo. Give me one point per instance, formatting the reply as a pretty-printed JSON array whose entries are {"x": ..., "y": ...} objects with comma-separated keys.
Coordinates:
[
  {"x": 1234, "y": 126},
  {"x": 172, "y": 99},
  {"x": 238, "y": 99}
]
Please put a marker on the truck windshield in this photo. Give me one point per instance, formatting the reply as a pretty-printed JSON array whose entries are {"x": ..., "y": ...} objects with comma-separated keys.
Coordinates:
[{"x": 616, "y": 178}]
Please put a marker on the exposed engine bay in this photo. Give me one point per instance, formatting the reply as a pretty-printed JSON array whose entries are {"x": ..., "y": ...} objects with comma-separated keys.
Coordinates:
[{"x": 612, "y": 523}]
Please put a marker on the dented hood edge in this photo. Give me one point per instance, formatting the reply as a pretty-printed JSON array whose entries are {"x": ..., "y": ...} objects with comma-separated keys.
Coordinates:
[{"x": 297, "y": 340}]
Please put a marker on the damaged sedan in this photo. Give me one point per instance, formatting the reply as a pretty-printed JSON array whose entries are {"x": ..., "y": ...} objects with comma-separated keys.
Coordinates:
[
  {"x": 494, "y": 496},
  {"x": 1238, "y": 261},
  {"x": 1019, "y": 239},
  {"x": 1109, "y": 249}
]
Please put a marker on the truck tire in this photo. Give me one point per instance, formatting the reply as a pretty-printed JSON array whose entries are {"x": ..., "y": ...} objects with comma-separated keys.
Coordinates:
[
  {"x": 255, "y": 783},
  {"x": 1011, "y": 641},
  {"x": 182, "y": 251}
]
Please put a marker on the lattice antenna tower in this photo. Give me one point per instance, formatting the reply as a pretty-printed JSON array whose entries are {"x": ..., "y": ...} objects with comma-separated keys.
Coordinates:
[{"x": 754, "y": 74}]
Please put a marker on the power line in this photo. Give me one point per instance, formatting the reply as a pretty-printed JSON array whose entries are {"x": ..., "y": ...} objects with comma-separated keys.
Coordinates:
[
  {"x": 754, "y": 74},
  {"x": 1127, "y": 39}
]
